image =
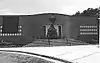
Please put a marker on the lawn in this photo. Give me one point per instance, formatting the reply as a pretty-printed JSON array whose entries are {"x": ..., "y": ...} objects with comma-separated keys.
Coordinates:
[{"x": 19, "y": 58}]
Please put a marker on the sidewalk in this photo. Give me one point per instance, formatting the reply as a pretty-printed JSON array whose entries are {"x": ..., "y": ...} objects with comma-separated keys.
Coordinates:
[{"x": 80, "y": 54}]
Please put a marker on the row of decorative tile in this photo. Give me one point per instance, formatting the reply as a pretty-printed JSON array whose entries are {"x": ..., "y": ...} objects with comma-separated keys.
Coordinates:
[
  {"x": 88, "y": 30},
  {"x": 88, "y": 26},
  {"x": 84, "y": 33},
  {"x": 10, "y": 34},
  {"x": 18, "y": 30},
  {"x": 18, "y": 26}
]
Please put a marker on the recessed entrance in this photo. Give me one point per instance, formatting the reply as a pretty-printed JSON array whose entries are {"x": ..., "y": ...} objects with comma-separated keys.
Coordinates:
[{"x": 53, "y": 32}]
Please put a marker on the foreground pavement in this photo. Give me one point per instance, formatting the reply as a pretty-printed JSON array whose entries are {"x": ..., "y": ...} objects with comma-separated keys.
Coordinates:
[{"x": 79, "y": 54}]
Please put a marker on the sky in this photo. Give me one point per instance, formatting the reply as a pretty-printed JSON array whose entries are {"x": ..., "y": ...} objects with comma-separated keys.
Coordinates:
[{"x": 69, "y": 7}]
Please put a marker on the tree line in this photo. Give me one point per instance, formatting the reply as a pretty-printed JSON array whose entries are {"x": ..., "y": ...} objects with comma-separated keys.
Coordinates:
[{"x": 88, "y": 12}]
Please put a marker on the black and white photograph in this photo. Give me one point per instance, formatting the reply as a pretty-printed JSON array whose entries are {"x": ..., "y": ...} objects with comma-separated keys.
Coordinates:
[{"x": 49, "y": 31}]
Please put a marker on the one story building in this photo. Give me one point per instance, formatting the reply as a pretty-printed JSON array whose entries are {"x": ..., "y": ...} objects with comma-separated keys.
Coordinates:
[{"x": 24, "y": 28}]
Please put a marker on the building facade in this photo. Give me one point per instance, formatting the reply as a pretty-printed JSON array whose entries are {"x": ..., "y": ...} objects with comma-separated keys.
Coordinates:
[{"x": 24, "y": 28}]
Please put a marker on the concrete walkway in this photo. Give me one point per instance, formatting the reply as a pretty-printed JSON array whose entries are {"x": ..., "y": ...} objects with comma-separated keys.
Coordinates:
[{"x": 80, "y": 54}]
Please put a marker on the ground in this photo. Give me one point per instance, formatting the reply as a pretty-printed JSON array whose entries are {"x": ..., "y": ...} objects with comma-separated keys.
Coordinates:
[
  {"x": 6, "y": 57},
  {"x": 79, "y": 54},
  {"x": 55, "y": 42}
]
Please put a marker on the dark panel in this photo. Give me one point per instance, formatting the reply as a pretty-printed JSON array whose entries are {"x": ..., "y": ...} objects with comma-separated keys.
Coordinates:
[
  {"x": 44, "y": 27},
  {"x": 59, "y": 31},
  {"x": 10, "y": 24}
]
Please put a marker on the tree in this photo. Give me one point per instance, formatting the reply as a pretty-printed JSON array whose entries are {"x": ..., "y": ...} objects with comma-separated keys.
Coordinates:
[
  {"x": 78, "y": 13},
  {"x": 88, "y": 12}
]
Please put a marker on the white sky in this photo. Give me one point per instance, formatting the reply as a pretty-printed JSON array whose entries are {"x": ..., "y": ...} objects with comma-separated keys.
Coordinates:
[{"x": 44, "y": 6}]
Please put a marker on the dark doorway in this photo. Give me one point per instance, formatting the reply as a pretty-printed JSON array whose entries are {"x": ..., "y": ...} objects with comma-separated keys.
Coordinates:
[{"x": 53, "y": 32}]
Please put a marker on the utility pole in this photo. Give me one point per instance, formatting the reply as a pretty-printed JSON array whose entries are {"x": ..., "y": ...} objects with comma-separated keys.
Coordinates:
[{"x": 99, "y": 27}]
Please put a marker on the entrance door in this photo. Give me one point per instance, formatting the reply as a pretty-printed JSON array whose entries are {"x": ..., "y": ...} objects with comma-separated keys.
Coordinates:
[{"x": 58, "y": 31}]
